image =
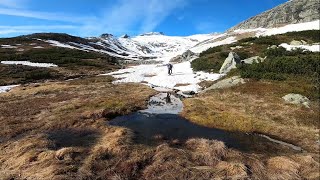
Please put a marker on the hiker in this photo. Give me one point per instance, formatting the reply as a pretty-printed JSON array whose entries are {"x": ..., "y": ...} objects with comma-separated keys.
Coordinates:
[
  {"x": 170, "y": 66},
  {"x": 168, "y": 98}
]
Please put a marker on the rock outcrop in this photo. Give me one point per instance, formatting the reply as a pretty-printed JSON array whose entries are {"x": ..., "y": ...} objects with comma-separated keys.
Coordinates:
[
  {"x": 291, "y": 12},
  {"x": 186, "y": 56},
  {"x": 125, "y": 36},
  {"x": 298, "y": 43},
  {"x": 226, "y": 83},
  {"x": 230, "y": 63},
  {"x": 297, "y": 99},
  {"x": 255, "y": 59}
]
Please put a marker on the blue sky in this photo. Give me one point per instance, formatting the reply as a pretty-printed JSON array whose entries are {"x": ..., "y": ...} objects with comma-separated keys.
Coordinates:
[{"x": 94, "y": 17}]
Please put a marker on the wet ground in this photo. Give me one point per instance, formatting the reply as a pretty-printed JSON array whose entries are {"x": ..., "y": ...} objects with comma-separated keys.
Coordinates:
[{"x": 161, "y": 123}]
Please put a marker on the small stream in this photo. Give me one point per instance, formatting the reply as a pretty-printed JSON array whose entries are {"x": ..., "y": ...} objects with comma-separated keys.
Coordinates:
[{"x": 161, "y": 122}]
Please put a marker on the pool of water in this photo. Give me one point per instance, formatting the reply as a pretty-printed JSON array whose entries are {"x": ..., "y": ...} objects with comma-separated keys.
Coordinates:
[{"x": 162, "y": 123}]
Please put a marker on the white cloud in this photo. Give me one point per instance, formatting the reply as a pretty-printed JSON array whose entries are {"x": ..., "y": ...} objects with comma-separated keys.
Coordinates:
[
  {"x": 134, "y": 16},
  {"x": 13, "y": 3},
  {"x": 124, "y": 16},
  {"x": 7, "y": 30},
  {"x": 45, "y": 15}
]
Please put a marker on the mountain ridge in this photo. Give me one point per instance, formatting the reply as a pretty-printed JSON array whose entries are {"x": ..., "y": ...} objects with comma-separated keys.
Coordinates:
[{"x": 291, "y": 12}]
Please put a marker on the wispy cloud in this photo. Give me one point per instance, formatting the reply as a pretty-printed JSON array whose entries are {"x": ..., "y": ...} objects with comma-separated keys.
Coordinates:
[
  {"x": 7, "y": 30},
  {"x": 13, "y": 3},
  {"x": 135, "y": 16},
  {"x": 45, "y": 15},
  {"x": 124, "y": 16}
]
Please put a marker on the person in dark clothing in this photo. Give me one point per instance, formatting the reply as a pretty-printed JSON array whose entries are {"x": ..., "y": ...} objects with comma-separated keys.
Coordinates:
[
  {"x": 170, "y": 66},
  {"x": 168, "y": 98}
]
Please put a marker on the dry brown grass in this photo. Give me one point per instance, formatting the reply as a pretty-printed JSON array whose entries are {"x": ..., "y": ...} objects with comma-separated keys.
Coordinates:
[
  {"x": 59, "y": 131},
  {"x": 59, "y": 128},
  {"x": 282, "y": 168},
  {"x": 207, "y": 152},
  {"x": 257, "y": 107}
]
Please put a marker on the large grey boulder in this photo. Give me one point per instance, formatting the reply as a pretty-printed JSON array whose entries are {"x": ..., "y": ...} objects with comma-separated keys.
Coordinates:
[
  {"x": 186, "y": 56},
  {"x": 297, "y": 99},
  {"x": 230, "y": 63},
  {"x": 298, "y": 43},
  {"x": 291, "y": 12},
  {"x": 226, "y": 83}
]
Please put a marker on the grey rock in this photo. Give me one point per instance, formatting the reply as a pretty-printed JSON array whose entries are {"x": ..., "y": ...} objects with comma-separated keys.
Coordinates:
[
  {"x": 237, "y": 47},
  {"x": 291, "y": 12},
  {"x": 190, "y": 93},
  {"x": 304, "y": 42},
  {"x": 230, "y": 63},
  {"x": 255, "y": 59},
  {"x": 125, "y": 36},
  {"x": 273, "y": 47},
  {"x": 186, "y": 56},
  {"x": 297, "y": 99},
  {"x": 226, "y": 83},
  {"x": 296, "y": 43}
]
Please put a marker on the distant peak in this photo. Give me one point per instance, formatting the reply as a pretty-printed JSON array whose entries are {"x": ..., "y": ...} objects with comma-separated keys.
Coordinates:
[
  {"x": 125, "y": 36},
  {"x": 152, "y": 33},
  {"x": 106, "y": 35}
]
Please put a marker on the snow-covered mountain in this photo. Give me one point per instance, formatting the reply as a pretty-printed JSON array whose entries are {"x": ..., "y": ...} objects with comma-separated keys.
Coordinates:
[
  {"x": 152, "y": 46},
  {"x": 156, "y": 46}
]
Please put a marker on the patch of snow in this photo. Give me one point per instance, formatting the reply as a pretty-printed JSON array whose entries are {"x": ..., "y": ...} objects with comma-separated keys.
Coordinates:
[
  {"x": 59, "y": 44},
  {"x": 28, "y": 63},
  {"x": 312, "y": 48},
  {"x": 4, "y": 89},
  {"x": 8, "y": 46},
  {"x": 182, "y": 74},
  {"x": 314, "y": 25},
  {"x": 202, "y": 47},
  {"x": 297, "y": 148},
  {"x": 38, "y": 47}
]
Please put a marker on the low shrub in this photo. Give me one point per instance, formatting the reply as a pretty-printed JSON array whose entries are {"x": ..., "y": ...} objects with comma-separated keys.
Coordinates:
[
  {"x": 211, "y": 50},
  {"x": 276, "y": 68}
]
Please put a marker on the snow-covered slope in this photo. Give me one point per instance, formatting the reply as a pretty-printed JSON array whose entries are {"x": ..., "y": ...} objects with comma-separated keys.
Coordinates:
[
  {"x": 153, "y": 46},
  {"x": 159, "y": 47}
]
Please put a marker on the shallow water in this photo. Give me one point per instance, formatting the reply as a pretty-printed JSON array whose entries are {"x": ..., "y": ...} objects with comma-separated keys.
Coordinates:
[{"x": 154, "y": 126}]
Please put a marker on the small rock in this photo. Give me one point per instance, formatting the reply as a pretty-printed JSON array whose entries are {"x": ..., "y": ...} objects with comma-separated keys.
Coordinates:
[
  {"x": 237, "y": 47},
  {"x": 273, "y": 47},
  {"x": 296, "y": 43},
  {"x": 186, "y": 56},
  {"x": 251, "y": 60},
  {"x": 191, "y": 93},
  {"x": 297, "y": 99},
  {"x": 304, "y": 42}
]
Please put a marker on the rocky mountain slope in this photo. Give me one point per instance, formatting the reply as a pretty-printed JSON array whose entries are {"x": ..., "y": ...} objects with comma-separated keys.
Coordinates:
[
  {"x": 292, "y": 12},
  {"x": 156, "y": 46}
]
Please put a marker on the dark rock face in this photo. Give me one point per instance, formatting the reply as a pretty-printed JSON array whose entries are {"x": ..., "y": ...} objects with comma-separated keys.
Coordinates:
[
  {"x": 106, "y": 35},
  {"x": 125, "y": 36},
  {"x": 186, "y": 56},
  {"x": 292, "y": 12}
]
